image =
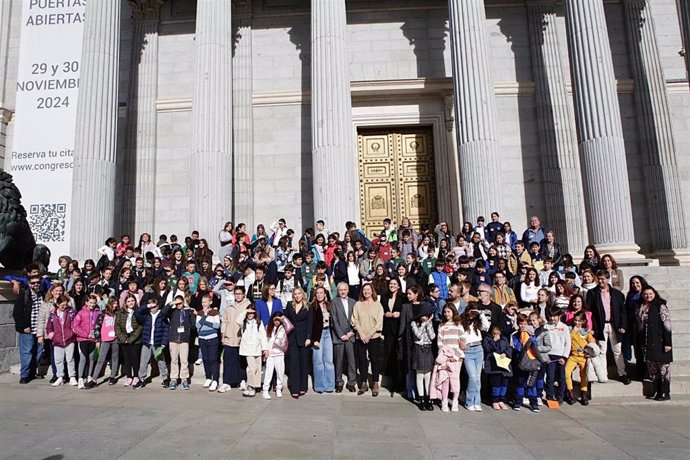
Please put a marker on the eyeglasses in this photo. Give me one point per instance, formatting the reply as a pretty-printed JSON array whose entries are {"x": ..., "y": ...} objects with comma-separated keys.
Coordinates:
[{"x": 34, "y": 282}]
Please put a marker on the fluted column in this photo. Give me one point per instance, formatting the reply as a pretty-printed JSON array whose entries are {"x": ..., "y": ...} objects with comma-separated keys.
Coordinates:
[
  {"x": 660, "y": 164},
  {"x": 565, "y": 207},
  {"x": 475, "y": 109},
  {"x": 684, "y": 13},
  {"x": 140, "y": 162},
  {"x": 334, "y": 156},
  {"x": 600, "y": 131},
  {"x": 211, "y": 159},
  {"x": 93, "y": 191},
  {"x": 243, "y": 116},
  {"x": 5, "y": 12}
]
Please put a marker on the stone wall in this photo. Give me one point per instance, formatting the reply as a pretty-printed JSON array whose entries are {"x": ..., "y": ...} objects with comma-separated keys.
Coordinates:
[{"x": 9, "y": 350}]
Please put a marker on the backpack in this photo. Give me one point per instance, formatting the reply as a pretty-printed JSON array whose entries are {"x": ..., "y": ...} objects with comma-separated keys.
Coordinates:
[
  {"x": 526, "y": 362},
  {"x": 102, "y": 263}
]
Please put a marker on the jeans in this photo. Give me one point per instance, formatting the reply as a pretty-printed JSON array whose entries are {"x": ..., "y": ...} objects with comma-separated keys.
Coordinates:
[
  {"x": 555, "y": 372},
  {"x": 322, "y": 360},
  {"x": 114, "y": 349},
  {"x": 30, "y": 352},
  {"x": 474, "y": 359},
  {"x": 233, "y": 373},
  {"x": 208, "y": 348}
]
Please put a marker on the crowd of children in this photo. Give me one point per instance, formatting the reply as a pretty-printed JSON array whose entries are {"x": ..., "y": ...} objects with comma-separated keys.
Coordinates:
[{"x": 426, "y": 309}]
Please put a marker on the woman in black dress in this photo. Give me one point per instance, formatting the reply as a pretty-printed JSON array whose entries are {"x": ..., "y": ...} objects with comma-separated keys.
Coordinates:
[
  {"x": 654, "y": 338},
  {"x": 299, "y": 342}
]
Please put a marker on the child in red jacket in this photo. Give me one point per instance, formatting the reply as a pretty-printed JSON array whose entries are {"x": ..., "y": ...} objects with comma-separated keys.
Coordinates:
[{"x": 59, "y": 330}]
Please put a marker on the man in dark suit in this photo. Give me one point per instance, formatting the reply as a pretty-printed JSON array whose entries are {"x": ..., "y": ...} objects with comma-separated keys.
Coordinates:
[
  {"x": 609, "y": 320},
  {"x": 343, "y": 338}
]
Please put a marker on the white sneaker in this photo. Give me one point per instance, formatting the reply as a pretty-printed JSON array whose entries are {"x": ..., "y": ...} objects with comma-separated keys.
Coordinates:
[
  {"x": 214, "y": 386},
  {"x": 223, "y": 388},
  {"x": 243, "y": 385},
  {"x": 477, "y": 408},
  {"x": 249, "y": 392},
  {"x": 80, "y": 384},
  {"x": 207, "y": 383},
  {"x": 73, "y": 381},
  {"x": 265, "y": 395},
  {"x": 525, "y": 401},
  {"x": 198, "y": 362},
  {"x": 540, "y": 402},
  {"x": 444, "y": 406},
  {"x": 58, "y": 382},
  {"x": 279, "y": 393},
  {"x": 470, "y": 408},
  {"x": 454, "y": 407}
]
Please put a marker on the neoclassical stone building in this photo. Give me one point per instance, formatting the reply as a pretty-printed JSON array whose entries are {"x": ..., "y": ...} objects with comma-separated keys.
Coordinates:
[{"x": 249, "y": 110}]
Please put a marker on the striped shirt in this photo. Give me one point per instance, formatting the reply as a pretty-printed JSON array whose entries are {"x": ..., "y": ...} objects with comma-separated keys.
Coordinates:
[
  {"x": 36, "y": 303},
  {"x": 449, "y": 336}
]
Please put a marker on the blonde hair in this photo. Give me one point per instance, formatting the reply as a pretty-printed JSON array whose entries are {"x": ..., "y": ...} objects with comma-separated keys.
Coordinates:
[{"x": 539, "y": 318}]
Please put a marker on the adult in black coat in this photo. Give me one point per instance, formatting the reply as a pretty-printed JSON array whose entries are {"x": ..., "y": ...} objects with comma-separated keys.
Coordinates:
[
  {"x": 415, "y": 308},
  {"x": 654, "y": 333},
  {"x": 608, "y": 326},
  {"x": 392, "y": 301}
]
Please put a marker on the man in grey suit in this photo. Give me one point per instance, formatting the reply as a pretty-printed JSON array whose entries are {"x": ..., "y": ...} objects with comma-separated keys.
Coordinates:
[{"x": 343, "y": 338}]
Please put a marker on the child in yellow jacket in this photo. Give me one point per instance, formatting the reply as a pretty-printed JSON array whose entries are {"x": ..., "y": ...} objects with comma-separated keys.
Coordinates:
[{"x": 580, "y": 337}]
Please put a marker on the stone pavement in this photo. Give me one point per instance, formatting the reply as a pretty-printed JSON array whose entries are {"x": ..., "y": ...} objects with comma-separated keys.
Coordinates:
[{"x": 37, "y": 421}]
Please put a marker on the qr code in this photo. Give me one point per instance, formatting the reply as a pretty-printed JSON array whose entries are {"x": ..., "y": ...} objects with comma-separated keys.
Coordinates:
[{"x": 47, "y": 221}]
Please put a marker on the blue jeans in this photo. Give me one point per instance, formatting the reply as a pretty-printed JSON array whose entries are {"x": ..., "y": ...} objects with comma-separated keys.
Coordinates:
[
  {"x": 555, "y": 373},
  {"x": 322, "y": 358},
  {"x": 210, "y": 357},
  {"x": 474, "y": 359},
  {"x": 30, "y": 352}
]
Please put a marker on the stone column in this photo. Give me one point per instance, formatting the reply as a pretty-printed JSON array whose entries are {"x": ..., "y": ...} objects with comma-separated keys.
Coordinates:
[
  {"x": 565, "y": 207},
  {"x": 334, "y": 156},
  {"x": 140, "y": 162},
  {"x": 93, "y": 191},
  {"x": 607, "y": 192},
  {"x": 211, "y": 159},
  {"x": 684, "y": 13},
  {"x": 660, "y": 164},
  {"x": 475, "y": 109},
  {"x": 243, "y": 116},
  {"x": 5, "y": 112}
]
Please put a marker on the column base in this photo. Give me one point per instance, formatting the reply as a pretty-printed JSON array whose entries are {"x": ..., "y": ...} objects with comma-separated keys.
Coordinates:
[
  {"x": 673, "y": 257},
  {"x": 626, "y": 255}
]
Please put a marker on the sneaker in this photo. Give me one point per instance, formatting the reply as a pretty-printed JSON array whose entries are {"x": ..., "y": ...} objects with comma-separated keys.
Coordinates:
[
  {"x": 198, "y": 362},
  {"x": 243, "y": 385},
  {"x": 80, "y": 384},
  {"x": 525, "y": 401},
  {"x": 496, "y": 406},
  {"x": 166, "y": 383},
  {"x": 54, "y": 379},
  {"x": 478, "y": 408},
  {"x": 73, "y": 381},
  {"x": 112, "y": 381},
  {"x": 58, "y": 382},
  {"x": 224, "y": 388},
  {"x": 534, "y": 408},
  {"x": 540, "y": 402},
  {"x": 266, "y": 395},
  {"x": 90, "y": 384},
  {"x": 214, "y": 386},
  {"x": 444, "y": 406},
  {"x": 279, "y": 393},
  {"x": 470, "y": 408},
  {"x": 516, "y": 407},
  {"x": 173, "y": 385},
  {"x": 207, "y": 383},
  {"x": 185, "y": 384},
  {"x": 127, "y": 383},
  {"x": 136, "y": 381},
  {"x": 249, "y": 392},
  {"x": 504, "y": 406},
  {"x": 138, "y": 385},
  {"x": 455, "y": 407}
]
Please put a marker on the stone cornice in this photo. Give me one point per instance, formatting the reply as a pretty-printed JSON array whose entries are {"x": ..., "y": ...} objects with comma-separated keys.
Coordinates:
[{"x": 145, "y": 10}]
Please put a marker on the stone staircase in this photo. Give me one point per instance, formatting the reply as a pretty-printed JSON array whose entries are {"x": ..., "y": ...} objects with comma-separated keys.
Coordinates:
[{"x": 673, "y": 284}]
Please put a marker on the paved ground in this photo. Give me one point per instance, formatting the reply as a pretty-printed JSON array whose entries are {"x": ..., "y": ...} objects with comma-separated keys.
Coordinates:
[{"x": 37, "y": 421}]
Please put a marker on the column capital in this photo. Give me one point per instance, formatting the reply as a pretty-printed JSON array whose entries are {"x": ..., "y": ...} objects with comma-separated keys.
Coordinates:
[{"x": 145, "y": 10}]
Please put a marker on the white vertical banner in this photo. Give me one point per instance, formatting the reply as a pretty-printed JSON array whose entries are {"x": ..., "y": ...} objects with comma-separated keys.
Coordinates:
[{"x": 41, "y": 158}]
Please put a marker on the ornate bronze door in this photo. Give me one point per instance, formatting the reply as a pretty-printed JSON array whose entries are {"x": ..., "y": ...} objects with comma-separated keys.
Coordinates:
[{"x": 397, "y": 178}]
